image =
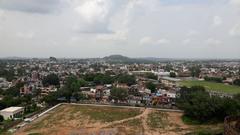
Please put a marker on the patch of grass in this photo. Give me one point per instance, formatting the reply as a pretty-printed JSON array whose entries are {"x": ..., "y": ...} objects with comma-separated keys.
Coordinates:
[
  {"x": 208, "y": 131},
  {"x": 190, "y": 121},
  {"x": 133, "y": 123},
  {"x": 35, "y": 134},
  {"x": 157, "y": 119},
  {"x": 64, "y": 114},
  {"x": 108, "y": 114},
  {"x": 231, "y": 89}
]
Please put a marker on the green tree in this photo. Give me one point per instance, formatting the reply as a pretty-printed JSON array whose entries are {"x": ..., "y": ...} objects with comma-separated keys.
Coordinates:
[
  {"x": 118, "y": 94},
  {"x": 1, "y": 118},
  {"x": 151, "y": 86},
  {"x": 151, "y": 76},
  {"x": 12, "y": 91},
  {"x": 199, "y": 105},
  {"x": 51, "y": 79},
  {"x": 51, "y": 99},
  {"x": 173, "y": 74},
  {"x": 128, "y": 79},
  {"x": 195, "y": 71},
  {"x": 72, "y": 85},
  {"x": 103, "y": 79},
  {"x": 236, "y": 82}
]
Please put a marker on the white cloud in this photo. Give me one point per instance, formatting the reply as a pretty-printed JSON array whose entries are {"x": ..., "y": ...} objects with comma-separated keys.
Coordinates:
[
  {"x": 235, "y": 31},
  {"x": 151, "y": 41},
  {"x": 146, "y": 40},
  {"x": 31, "y": 6},
  {"x": 235, "y": 2},
  {"x": 186, "y": 41},
  {"x": 95, "y": 16},
  {"x": 163, "y": 41},
  {"x": 94, "y": 10},
  {"x": 1, "y": 13},
  {"x": 212, "y": 41},
  {"x": 192, "y": 33},
  {"x": 88, "y": 28},
  {"x": 25, "y": 35},
  {"x": 217, "y": 21},
  {"x": 117, "y": 36}
]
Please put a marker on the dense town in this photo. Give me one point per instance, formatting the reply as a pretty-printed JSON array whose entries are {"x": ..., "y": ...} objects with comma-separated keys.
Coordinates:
[{"x": 29, "y": 86}]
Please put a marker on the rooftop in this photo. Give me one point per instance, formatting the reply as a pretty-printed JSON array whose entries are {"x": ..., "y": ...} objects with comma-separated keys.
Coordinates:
[{"x": 11, "y": 109}]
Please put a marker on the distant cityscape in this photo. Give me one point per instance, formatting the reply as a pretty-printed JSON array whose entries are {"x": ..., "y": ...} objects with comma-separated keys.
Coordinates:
[{"x": 36, "y": 84}]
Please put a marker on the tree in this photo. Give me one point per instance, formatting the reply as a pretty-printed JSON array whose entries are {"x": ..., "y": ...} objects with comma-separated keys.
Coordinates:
[
  {"x": 213, "y": 79},
  {"x": 168, "y": 67},
  {"x": 151, "y": 86},
  {"x": 103, "y": 79},
  {"x": 199, "y": 105},
  {"x": 195, "y": 71},
  {"x": 8, "y": 101},
  {"x": 128, "y": 79},
  {"x": 8, "y": 74},
  {"x": 51, "y": 99},
  {"x": 51, "y": 79},
  {"x": 118, "y": 94},
  {"x": 71, "y": 87},
  {"x": 12, "y": 91},
  {"x": 236, "y": 82},
  {"x": 151, "y": 76},
  {"x": 1, "y": 118},
  {"x": 173, "y": 74}
]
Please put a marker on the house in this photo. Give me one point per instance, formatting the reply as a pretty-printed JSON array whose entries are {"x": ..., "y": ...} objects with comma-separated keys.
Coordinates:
[
  {"x": 4, "y": 84},
  {"x": 12, "y": 112},
  {"x": 99, "y": 92},
  {"x": 169, "y": 81},
  {"x": 26, "y": 89},
  {"x": 46, "y": 90},
  {"x": 122, "y": 85}
]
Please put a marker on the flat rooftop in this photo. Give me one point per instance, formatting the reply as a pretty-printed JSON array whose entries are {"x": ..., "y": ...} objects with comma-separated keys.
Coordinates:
[{"x": 11, "y": 109}]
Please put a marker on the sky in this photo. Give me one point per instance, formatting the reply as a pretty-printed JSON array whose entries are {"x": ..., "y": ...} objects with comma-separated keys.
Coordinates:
[{"x": 134, "y": 28}]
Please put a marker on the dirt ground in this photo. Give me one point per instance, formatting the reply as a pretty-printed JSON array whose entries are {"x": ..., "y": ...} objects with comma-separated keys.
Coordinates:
[{"x": 64, "y": 121}]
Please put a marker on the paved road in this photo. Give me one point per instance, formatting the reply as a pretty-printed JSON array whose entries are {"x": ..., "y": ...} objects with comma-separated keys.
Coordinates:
[{"x": 34, "y": 117}]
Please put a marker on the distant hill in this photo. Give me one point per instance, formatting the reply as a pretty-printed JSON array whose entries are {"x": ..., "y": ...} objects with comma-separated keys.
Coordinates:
[
  {"x": 116, "y": 57},
  {"x": 124, "y": 59}
]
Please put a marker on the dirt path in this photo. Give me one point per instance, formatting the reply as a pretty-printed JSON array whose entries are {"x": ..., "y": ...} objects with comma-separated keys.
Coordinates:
[{"x": 142, "y": 115}]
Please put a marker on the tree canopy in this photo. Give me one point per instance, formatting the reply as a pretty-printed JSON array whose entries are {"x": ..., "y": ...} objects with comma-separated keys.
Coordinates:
[
  {"x": 151, "y": 76},
  {"x": 119, "y": 94},
  {"x": 173, "y": 74},
  {"x": 51, "y": 79},
  {"x": 236, "y": 82},
  {"x": 151, "y": 86},
  {"x": 199, "y": 105},
  {"x": 128, "y": 79}
]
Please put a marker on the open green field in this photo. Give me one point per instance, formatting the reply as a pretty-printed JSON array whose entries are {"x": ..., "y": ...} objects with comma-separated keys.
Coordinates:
[{"x": 213, "y": 86}]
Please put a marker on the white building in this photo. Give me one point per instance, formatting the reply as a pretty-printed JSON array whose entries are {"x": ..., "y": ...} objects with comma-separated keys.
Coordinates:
[{"x": 12, "y": 112}]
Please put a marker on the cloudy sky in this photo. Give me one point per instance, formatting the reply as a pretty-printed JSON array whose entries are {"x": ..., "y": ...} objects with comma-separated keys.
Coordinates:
[{"x": 135, "y": 28}]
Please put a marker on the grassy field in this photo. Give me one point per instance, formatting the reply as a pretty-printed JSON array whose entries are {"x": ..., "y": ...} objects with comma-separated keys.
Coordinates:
[
  {"x": 84, "y": 120},
  {"x": 213, "y": 86},
  {"x": 157, "y": 120}
]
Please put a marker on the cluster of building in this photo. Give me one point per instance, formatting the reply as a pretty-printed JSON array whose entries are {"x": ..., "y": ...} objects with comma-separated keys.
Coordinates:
[{"x": 31, "y": 73}]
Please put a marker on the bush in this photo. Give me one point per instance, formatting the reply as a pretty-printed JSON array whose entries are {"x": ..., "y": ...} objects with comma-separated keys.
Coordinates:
[
  {"x": 199, "y": 105},
  {"x": 236, "y": 82},
  {"x": 213, "y": 79},
  {"x": 51, "y": 79},
  {"x": 1, "y": 118}
]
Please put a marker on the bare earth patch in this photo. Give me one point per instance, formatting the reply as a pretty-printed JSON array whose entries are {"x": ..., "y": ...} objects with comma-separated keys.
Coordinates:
[{"x": 97, "y": 120}]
